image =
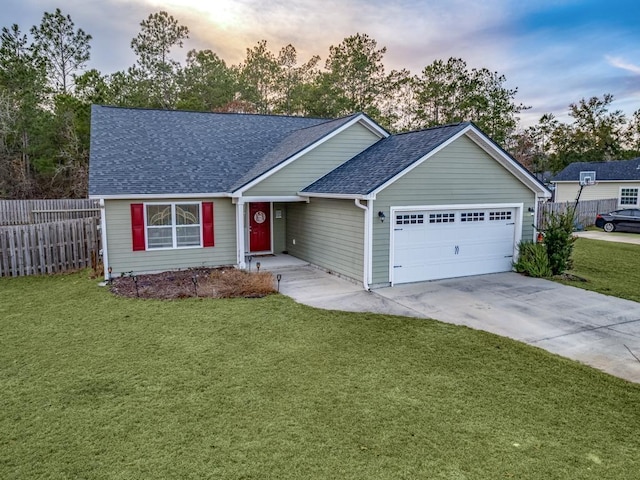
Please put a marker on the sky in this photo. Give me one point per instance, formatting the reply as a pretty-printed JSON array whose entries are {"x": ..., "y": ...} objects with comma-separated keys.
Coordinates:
[{"x": 555, "y": 52}]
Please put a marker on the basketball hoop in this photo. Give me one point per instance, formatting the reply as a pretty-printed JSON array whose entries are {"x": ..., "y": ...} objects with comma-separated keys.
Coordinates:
[{"x": 587, "y": 178}]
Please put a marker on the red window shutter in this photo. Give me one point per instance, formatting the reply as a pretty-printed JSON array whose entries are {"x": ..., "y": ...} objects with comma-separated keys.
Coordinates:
[
  {"x": 207, "y": 224},
  {"x": 137, "y": 226}
]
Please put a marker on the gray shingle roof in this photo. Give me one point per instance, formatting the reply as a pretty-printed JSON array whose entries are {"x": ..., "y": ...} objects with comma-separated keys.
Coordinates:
[
  {"x": 383, "y": 161},
  {"x": 615, "y": 170},
  {"x": 146, "y": 152}
]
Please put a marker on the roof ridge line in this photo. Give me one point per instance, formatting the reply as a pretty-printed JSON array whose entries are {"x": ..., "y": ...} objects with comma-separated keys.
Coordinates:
[
  {"x": 325, "y": 122},
  {"x": 435, "y": 127},
  {"x": 175, "y": 110}
]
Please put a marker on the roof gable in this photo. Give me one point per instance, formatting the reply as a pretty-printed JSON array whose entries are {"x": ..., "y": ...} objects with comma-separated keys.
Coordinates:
[
  {"x": 386, "y": 161},
  {"x": 300, "y": 142},
  {"x": 382, "y": 161},
  {"x": 616, "y": 170}
]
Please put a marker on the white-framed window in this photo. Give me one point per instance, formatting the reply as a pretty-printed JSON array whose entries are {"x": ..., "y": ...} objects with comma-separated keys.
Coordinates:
[
  {"x": 629, "y": 196},
  {"x": 173, "y": 225}
]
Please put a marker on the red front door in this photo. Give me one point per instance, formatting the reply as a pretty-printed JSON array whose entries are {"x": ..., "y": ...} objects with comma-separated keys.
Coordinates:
[{"x": 260, "y": 227}]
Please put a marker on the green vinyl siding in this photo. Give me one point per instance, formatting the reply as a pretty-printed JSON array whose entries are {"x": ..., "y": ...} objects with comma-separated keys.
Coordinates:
[
  {"x": 316, "y": 163},
  {"x": 328, "y": 233},
  {"x": 279, "y": 227},
  {"x": 461, "y": 173},
  {"x": 122, "y": 258}
]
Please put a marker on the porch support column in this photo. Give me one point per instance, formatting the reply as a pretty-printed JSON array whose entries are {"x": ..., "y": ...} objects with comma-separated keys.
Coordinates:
[{"x": 240, "y": 242}]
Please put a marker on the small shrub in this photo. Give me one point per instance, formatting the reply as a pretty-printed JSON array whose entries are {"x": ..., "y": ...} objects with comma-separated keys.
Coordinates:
[
  {"x": 229, "y": 283},
  {"x": 533, "y": 260}
]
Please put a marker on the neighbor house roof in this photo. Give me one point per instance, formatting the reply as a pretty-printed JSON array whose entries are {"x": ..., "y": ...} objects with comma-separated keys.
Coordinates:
[
  {"x": 617, "y": 170},
  {"x": 164, "y": 152},
  {"x": 382, "y": 161}
]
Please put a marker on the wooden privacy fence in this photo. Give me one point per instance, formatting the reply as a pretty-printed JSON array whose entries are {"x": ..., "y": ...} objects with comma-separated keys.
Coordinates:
[
  {"x": 53, "y": 247},
  {"x": 585, "y": 213},
  {"x": 23, "y": 212}
]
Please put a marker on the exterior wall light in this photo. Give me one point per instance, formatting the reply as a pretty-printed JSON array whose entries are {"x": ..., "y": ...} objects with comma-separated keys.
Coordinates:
[{"x": 381, "y": 216}]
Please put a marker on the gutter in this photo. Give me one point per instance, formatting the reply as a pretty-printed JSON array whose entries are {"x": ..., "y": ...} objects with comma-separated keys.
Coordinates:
[
  {"x": 339, "y": 196},
  {"x": 161, "y": 196},
  {"x": 103, "y": 235},
  {"x": 367, "y": 237}
]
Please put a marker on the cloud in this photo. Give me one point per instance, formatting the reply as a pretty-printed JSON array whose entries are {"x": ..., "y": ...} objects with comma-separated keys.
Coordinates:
[
  {"x": 416, "y": 32},
  {"x": 554, "y": 52},
  {"x": 619, "y": 62}
]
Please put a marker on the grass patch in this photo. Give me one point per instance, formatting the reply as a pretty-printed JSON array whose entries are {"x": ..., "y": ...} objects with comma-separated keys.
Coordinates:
[
  {"x": 96, "y": 386},
  {"x": 608, "y": 267}
]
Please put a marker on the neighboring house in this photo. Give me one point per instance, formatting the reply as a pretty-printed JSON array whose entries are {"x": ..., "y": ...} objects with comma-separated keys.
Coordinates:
[
  {"x": 616, "y": 179},
  {"x": 190, "y": 189}
]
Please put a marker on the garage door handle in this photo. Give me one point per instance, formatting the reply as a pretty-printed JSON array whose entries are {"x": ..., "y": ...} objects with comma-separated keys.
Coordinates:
[
  {"x": 397, "y": 229},
  {"x": 512, "y": 223},
  {"x": 397, "y": 266},
  {"x": 508, "y": 256}
]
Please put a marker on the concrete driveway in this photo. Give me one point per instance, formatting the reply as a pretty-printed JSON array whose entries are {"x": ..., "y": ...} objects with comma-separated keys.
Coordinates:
[
  {"x": 620, "y": 237},
  {"x": 595, "y": 329}
]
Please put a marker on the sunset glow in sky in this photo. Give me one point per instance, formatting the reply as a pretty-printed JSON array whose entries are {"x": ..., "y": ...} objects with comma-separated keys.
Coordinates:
[{"x": 554, "y": 51}]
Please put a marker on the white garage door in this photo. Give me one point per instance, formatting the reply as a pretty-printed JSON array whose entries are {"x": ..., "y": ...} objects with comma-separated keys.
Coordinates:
[{"x": 429, "y": 245}]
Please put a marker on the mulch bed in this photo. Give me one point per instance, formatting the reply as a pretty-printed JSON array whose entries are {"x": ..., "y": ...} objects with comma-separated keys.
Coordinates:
[{"x": 226, "y": 282}]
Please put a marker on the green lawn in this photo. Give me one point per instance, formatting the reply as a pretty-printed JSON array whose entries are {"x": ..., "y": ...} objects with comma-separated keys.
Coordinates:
[
  {"x": 609, "y": 267},
  {"x": 98, "y": 387}
]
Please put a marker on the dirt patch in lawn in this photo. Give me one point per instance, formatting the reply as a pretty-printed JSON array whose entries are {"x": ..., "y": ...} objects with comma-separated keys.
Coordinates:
[
  {"x": 569, "y": 277},
  {"x": 202, "y": 282}
]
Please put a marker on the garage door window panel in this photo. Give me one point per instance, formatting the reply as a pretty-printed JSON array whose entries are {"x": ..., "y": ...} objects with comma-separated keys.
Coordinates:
[
  {"x": 442, "y": 218},
  {"x": 410, "y": 219},
  {"x": 499, "y": 215},
  {"x": 472, "y": 217}
]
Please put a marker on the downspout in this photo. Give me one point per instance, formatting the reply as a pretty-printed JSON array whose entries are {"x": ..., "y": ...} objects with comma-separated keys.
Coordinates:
[
  {"x": 367, "y": 235},
  {"x": 535, "y": 222},
  {"x": 103, "y": 235},
  {"x": 240, "y": 239}
]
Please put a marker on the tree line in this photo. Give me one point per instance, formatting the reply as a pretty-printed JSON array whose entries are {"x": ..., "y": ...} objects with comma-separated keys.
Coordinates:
[{"x": 46, "y": 93}]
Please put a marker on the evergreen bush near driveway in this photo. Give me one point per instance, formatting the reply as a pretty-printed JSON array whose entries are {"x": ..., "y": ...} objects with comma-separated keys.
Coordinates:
[
  {"x": 533, "y": 260},
  {"x": 559, "y": 239},
  {"x": 553, "y": 256}
]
